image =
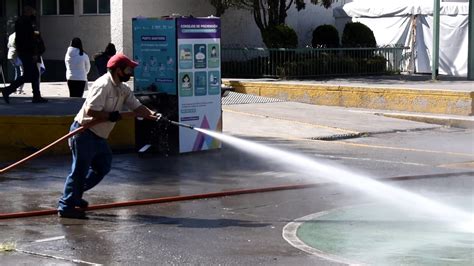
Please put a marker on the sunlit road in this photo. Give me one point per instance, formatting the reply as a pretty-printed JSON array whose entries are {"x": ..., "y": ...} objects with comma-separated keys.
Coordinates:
[{"x": 236, "y": 230}]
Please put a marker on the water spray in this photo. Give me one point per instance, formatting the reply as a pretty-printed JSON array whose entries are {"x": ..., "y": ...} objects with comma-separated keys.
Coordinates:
[
  {"x": 162, "y": 119},
  {"x": 460, "y": 219}
]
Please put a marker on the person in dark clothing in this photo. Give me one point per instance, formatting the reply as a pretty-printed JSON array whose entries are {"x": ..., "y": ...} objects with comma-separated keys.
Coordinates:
[
  {"x": 29, "y": 47},
  {"x": 102, "y": 58}
]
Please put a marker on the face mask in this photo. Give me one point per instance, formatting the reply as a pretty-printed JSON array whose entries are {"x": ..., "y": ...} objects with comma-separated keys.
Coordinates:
[
  {"x": 125, "y": 77},
  {"x": 32, "y": 19}
]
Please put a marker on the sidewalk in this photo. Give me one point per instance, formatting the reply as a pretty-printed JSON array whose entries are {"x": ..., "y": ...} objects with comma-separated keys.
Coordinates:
[
  {"x": 416, "y": 81},
  {"x": 416, "y": 93},
  {"x": 409, "y": 90},
  {"x": 27, "y": 127}
]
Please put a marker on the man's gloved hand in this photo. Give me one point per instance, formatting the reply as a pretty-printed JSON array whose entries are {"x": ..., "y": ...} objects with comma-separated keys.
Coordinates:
[
  {"x": 114, "y": 116},
  {"x": 157, "y": 116}
]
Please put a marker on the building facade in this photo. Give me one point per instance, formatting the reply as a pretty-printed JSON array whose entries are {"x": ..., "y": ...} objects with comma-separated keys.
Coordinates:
[
  {"x": 98, "y": 22},
  {"x": 58, "y": 22}
]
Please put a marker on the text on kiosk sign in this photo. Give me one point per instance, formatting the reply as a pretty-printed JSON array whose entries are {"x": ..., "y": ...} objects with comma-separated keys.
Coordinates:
[
  {"x": 199, "y": 26},
  {"x": 147, "y": 38}
]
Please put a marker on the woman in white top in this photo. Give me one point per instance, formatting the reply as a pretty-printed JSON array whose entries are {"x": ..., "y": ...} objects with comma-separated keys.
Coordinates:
[{"x": 77, "y": 67}]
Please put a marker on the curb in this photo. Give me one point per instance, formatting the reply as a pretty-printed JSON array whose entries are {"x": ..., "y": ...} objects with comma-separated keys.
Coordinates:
[
  {"x": 399, "y": 99},
  {"x": 445, "y": 121},
  {"x": 29, "y": 133}
]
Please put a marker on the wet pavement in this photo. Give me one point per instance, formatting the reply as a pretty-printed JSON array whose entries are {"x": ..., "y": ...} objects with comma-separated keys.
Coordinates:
[
  {"x": 378, "y": 234},
  {"x": 429, "y": 159}
]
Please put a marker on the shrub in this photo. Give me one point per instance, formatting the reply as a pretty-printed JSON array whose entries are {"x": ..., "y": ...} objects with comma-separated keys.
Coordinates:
[
  {"x": 280, "y": 36},
  {"x": 357, "y": 34},
  {"x": 325, "y": 36}
]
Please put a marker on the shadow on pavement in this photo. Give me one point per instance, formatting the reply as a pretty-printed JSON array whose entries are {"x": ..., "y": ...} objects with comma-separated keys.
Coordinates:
[{"x": 177, "y": 221}]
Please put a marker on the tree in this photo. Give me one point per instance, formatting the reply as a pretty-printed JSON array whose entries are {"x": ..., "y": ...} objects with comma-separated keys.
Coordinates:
[
  {"x": 325, "y": 36},
  {"x": 356, "y": 34},
  {"x": 270, "y": 13},
  {"x": 266, "y": 13},
  {"x": 222, "y": 5}
]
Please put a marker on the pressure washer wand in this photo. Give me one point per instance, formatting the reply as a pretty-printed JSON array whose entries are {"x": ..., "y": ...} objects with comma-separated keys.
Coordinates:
[
  {"x": 180, "y": 124},
  {"x": 164, "y": 119}
]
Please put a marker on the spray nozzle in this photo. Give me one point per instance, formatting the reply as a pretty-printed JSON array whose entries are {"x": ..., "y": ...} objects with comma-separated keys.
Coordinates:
[
  {"x": 166, "y": 120},
  {"x": 162, "y": 119},
  {"x": 180, "y": 124}
]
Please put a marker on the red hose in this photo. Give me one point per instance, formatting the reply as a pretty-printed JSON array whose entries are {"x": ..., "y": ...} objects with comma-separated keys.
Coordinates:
[
  {"x": 68, "y": 135},
  {"x": 214, "y": 195},
  {"x": 161, "y": 200}
]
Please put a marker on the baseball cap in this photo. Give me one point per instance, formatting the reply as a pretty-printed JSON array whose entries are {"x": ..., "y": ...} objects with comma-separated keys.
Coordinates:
[{"x": 119, "y": 60}]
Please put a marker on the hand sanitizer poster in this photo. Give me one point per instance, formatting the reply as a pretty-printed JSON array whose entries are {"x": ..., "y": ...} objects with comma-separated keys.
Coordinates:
[
  {"x": 154, "y": 48},
  {"x": 199, "y": 81}
]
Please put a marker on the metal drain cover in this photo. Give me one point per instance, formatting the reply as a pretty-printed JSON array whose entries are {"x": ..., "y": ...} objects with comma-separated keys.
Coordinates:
[{"x": 241, "y": 98}]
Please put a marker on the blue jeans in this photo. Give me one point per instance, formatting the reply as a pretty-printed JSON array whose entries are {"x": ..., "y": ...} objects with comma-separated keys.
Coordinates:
[
  {"x": 30, "y": 73},
  {"x": 18, "y": 68},
  {"x": 91, "y": 161}
]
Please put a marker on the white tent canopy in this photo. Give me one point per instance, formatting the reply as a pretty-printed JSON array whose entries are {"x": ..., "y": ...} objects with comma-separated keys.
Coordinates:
[
  {"x": 371, "y": 8},
  {"x": 410, "y": 23}
]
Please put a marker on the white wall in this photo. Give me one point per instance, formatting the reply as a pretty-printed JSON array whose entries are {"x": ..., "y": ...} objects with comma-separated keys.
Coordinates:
[
  {"x": 122, "y": 31},
  {"x": 305, "y": 21},
  {"x": 239, "y": 28},
  {"x": 58, "y": 31}
]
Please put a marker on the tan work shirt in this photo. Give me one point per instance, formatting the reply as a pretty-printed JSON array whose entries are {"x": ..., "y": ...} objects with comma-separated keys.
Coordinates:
[{"x": 105, "y": 95}]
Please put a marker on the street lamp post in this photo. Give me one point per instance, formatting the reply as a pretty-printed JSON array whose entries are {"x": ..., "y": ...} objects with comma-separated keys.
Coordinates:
[
  {"x": 435, "y": 51},
  {"x": 470, "y": 49}
]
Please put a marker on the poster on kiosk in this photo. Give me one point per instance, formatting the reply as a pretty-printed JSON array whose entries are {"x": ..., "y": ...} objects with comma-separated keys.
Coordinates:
[
  {"x": 199, "y": 81},
  {"x": 182, "y": 57}
]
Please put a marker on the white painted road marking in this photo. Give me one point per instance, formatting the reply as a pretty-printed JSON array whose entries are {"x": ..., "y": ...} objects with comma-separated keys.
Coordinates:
[{"x": 50, "y": 239}]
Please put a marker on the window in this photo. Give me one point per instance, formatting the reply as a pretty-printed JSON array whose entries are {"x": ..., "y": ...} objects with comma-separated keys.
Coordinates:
[
  {"x": 57, "y": 7},
  {"x": 96, "y": 7}
]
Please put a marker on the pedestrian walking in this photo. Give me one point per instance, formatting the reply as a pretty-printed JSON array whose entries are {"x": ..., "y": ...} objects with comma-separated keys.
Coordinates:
[
  {"x": 91, "y": 154},
  {"x": 102, "y": 58},
  {"x": 77, "y": 66},
  {"x": 29, "y": 47},
  {"x": 12, "y": 56}
]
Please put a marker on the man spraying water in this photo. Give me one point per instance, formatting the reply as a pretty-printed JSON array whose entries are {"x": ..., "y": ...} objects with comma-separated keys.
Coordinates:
[{"x": 91, "y": 153}]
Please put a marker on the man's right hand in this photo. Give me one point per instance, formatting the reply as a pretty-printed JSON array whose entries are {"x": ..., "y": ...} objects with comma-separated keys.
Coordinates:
[
  {"x": 157, "y": 116},
  {"x": 114, "y": 116}
]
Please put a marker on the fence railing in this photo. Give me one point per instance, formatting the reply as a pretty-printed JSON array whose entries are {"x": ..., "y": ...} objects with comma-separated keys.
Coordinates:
[{"x": 311, "y": 62}]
